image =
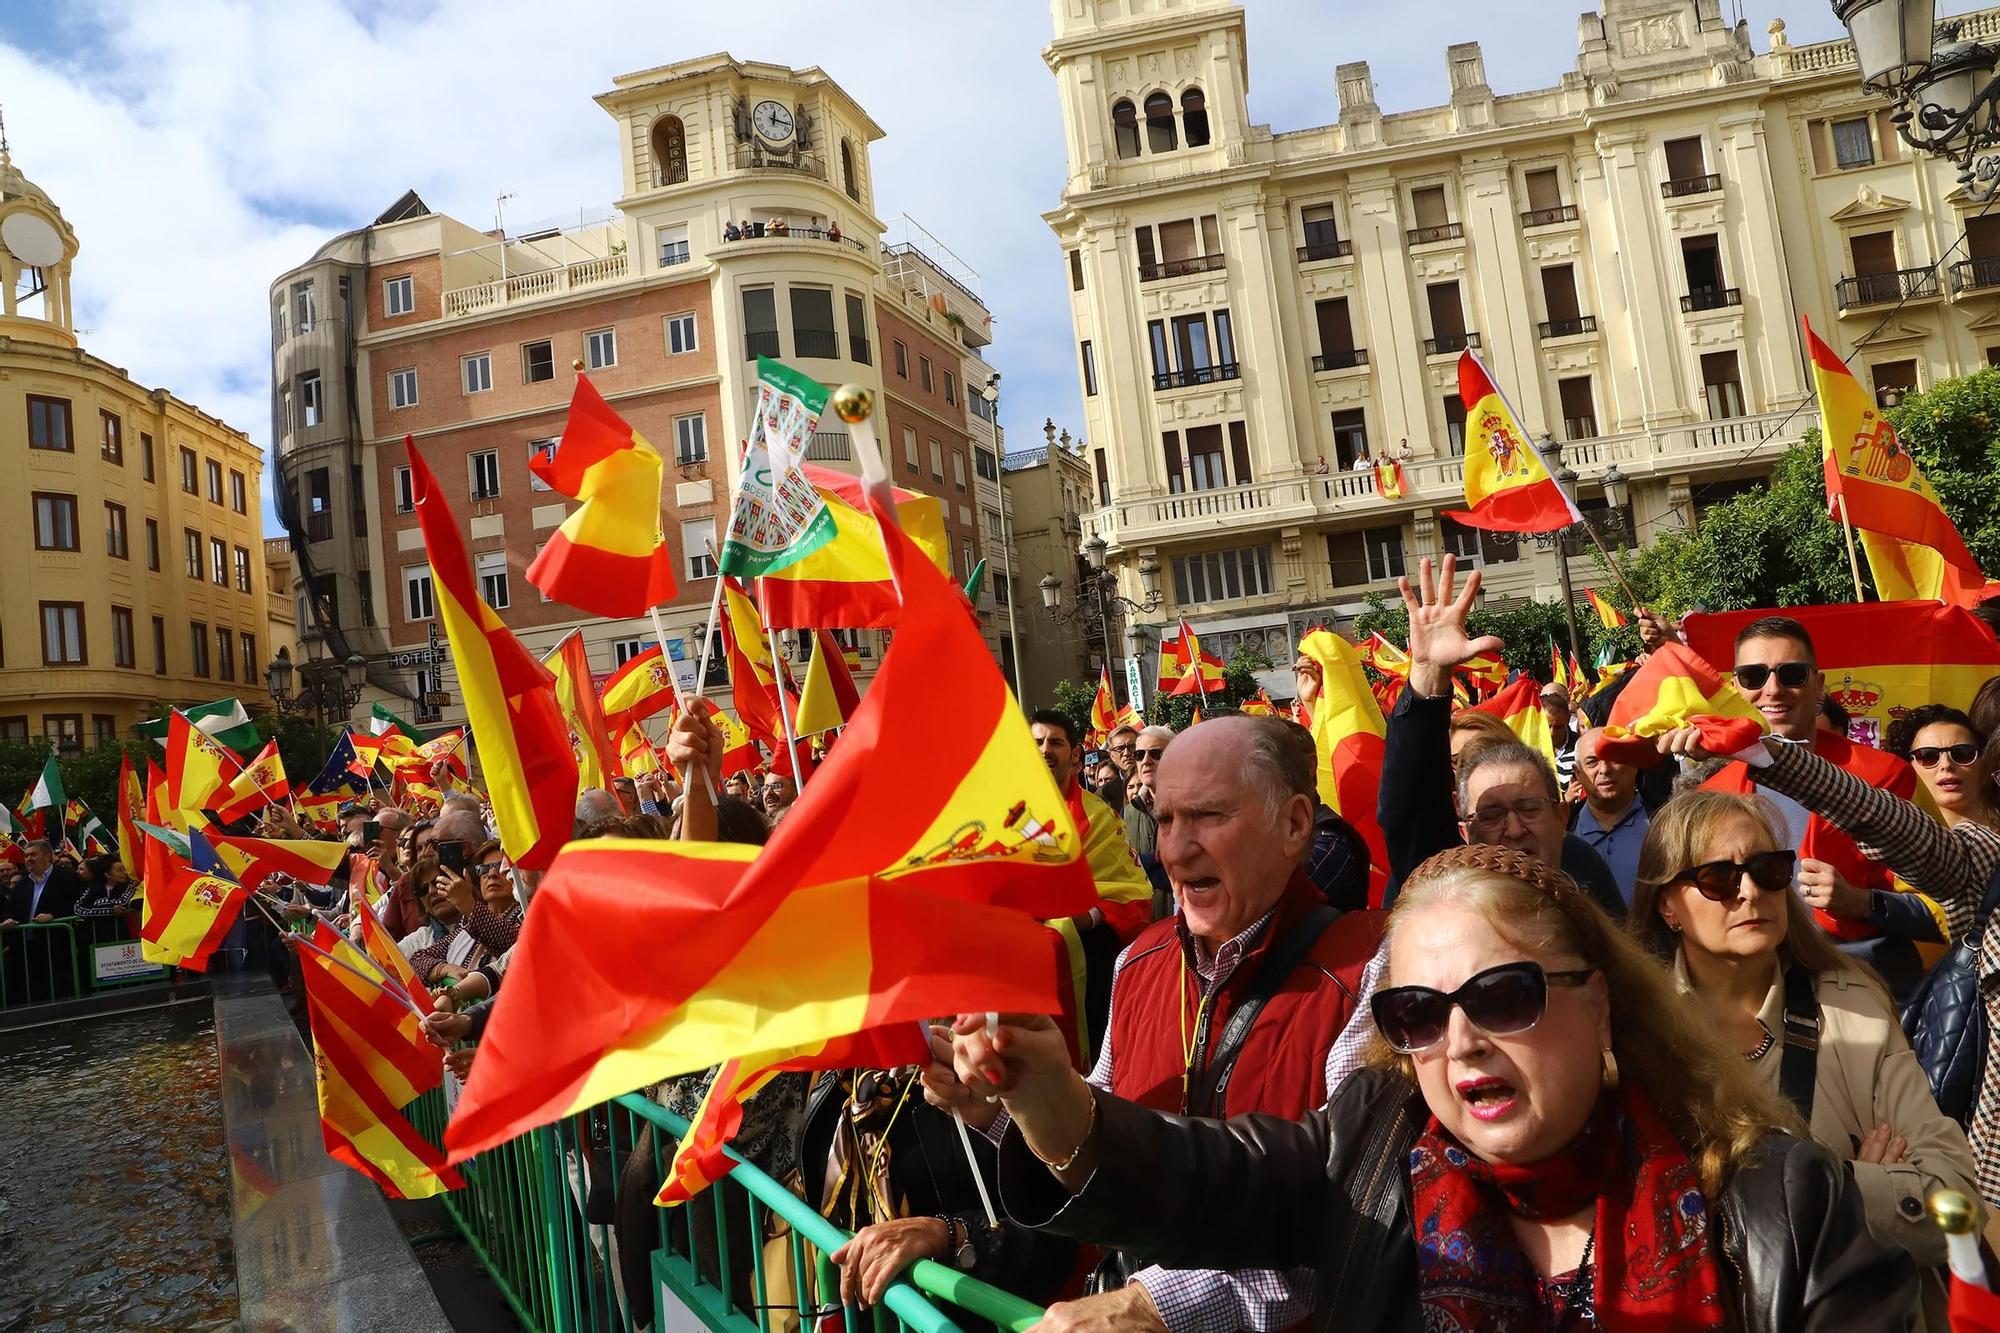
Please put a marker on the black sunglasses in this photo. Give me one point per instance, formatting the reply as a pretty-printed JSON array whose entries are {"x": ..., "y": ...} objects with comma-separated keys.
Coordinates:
[
  {"x": 1499, "y": 1001},
  {"x": 1791, "y": 675},
  {"x": 1153, "y": 755},
  {"x": 1718, "y": 881},
  {"x": 1927, "y": 756}
]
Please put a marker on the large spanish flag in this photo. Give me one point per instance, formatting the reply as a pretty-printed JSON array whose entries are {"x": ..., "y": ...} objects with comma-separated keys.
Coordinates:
[
  {"x": 609, "y": 557},
  {"x": 1348, "y": 733},
  {"x": 1870, "y": 470},
  {"x": 1880, "y": 658},
  {"x": 1519, "y": 705},
  {"x": 589, "y": 732},
  {"x": 1507, "y": 485},
  {"x": 876, "y": 903},
  {"x": 510, "y": 699},
  {"x": 845, "y": 584},
  {"x": 199, "y": 767},
  {"x": 1674, "y": 689},
  {"x": 130, "y": 806},
  {"x": 190, "y": 905}
]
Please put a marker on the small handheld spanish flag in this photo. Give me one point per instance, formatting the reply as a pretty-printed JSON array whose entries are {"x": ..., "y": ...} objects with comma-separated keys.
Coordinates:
[
  {"x": 1389, "y": 479},
  {"x": 1607, "y": 614}
]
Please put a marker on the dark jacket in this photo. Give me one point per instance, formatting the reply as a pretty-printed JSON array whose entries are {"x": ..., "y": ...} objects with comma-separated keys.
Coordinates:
[
  {"x": 1333, "y": 1191},
  {"x": 59, "y": 896},
  {"x": 1419, "y": 819}
]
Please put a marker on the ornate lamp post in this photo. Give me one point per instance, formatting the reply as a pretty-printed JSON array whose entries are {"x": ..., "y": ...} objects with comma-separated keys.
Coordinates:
[
  {"x": 1947, "y": 98},
  {"x": 1097, "y": 596},
  {"x": 327, "y": 689},
  {"x": 1617, "y": 491}
]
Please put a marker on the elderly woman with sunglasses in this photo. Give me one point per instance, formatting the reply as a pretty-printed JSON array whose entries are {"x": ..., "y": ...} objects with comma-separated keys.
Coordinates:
[
  {"x": 1715, "y": 898},
  {"x": 1547, "y": 1138}
]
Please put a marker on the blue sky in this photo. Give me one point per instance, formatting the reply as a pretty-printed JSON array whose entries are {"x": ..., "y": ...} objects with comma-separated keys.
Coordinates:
[{"x": 200, "y": 147}]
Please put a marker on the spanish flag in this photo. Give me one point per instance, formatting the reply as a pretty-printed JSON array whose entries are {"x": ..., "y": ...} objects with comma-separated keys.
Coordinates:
[
  {"x": 642, "y": 687},
  {"x": 637, "y": 756},
  {"x": 1507, "y": 485},
  {"x": 1172, "y": 666},
  {"x": 845, "y": 583},
  {"x": 829, "y": 697},
  {"x": 1348, "y": 733},
  {"x": 1103, "y": 709},
  {"x": 1607, "y": 615},
  {"x": 1389, "y": 479},
  {"x": 199, "y": 767},
  {"x": 1519, "y": 705},
  {"x": 739, "y": 752},
  {"x": 396, "y": 971},
  {"x": 753, "y": 677},
  {"x": 372, "y": 1060},
  {"x": 609, "y": 557},
  {"x": 1870, "y": 471},
  {"x": 1202, "y": 671},
  {"x": 875, "y": 905},
  {"x": 251, "y": 861},
  {"x": 510, "y": 699},
  {"x": 130, "y": 805},
  {"x": 262, "y": 783},
  {"x": 190, "y": 905},
  {"x": 1558, "y": 672},
  {"x": 1261, "y": 706},
  {"x": 576, "y": 697},
  {"x": 1674, "y": 689}
]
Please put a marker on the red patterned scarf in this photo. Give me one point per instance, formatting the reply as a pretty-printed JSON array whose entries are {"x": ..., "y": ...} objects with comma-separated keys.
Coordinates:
[{"x": 1652, "y": 1265}]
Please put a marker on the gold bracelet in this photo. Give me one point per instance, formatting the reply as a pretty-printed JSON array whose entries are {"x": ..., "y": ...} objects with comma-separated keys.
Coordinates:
[{"x": 1069, "y": 1161}]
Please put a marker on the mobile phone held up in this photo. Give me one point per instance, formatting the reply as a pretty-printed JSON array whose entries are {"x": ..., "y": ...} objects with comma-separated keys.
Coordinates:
[
  {"x": 371, "y": 831},
  {"x": 451, "y": 855}
]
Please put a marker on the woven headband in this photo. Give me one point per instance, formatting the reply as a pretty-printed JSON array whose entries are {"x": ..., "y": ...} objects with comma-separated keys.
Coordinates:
[{"x": 1501, "y": 860}]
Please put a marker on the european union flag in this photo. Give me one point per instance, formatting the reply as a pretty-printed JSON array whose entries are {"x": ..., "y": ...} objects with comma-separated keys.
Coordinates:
[
  {"x": 201, "y": 855},
  {"x": 338, "y": 775}
]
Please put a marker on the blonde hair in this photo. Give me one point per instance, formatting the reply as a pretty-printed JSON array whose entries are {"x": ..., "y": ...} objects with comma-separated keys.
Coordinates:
[
  {"x": 1482, "y": 725},
  {"x": 1664, "y": 1041}
]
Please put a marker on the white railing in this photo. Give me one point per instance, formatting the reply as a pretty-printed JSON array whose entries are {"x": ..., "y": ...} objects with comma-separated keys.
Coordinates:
[
  {"x": 536, "y": 285},
  {"x": 1821, "y": 57}
]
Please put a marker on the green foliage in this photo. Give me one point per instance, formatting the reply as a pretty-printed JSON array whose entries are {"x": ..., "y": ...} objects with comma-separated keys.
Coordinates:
[
  {"x": 1953, "y": 431},
  {"x": 1073, "y": 702},
  {"x": 1526, "y": 628}
]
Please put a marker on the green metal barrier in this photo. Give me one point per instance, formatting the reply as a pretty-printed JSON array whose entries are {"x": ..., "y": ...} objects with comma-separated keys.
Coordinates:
[
  {"x": 45, "y": 961},
  {"x": 748, "y": 1256}
]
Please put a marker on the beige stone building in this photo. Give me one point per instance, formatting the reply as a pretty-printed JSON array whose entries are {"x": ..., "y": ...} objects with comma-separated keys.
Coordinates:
[
  {"x": 1260, "y": 313},
  {"x": 136, "y": 575},
  {"x": 1046, "y": 489}
]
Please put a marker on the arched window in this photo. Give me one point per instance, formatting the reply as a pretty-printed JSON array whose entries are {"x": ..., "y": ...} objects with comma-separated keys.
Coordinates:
[
  {"x": 848, "y": 182},
  {"x": 1125, "y": 128},
  {"x": 670, "y": 152},
  {"x": 1160, "y": 124},
  {"x": 1194, "y": 117}
]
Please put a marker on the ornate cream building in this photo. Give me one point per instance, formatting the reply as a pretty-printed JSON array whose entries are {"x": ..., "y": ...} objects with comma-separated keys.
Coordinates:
[
  {"x": 1630, "y": 251},
  {"x": 134, "y": 556}
]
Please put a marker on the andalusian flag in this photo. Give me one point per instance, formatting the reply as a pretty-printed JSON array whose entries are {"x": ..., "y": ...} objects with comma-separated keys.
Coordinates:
[
  {"x": 47, "y": 791},
  {"x": 1607, "y": 615},
  {"x": 251, "y": 861},
  {"x": 609, "y": 557},
  {"x": 642, "y": 687},
  {"x": 1869, "y": 469},
  {"x": 838, "y": 926},
  {"x": 372, "y": 1060},
  {"x": 753, "y": 677},
  {"x": 510, "y": 699},
  {"x": 383, "y": 722},
  {"x": 589, "y": 733},
  {"x": 131, "y": 804},
  {"x": 1507, "y": 485},
  {"x": 1519, "y": 705},
  {"x": 199, "y": 769},
  {"x": 1202, "y": 672},
  {"x": 1389, "y": 479},
  {"x": 1103, "y": 709},
  {"x": 777, "y": 517},
  {"x": 224, "y": 719},
  {"x": 828, "y": 697},
  {"x": 191, "y": 907},
  {"x": 1348, "y": 733},
  {"x": 262, "y": 783},
  {"x": 1675, "y": 689},
  {"x": 845, "y": 584}
]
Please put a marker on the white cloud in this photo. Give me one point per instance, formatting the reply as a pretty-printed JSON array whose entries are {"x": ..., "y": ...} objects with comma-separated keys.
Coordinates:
[{"x": 202, "y": 147}]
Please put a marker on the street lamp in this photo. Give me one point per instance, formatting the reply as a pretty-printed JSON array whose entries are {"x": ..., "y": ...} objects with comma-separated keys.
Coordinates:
[
  {"x": 1947, "y": 98},
  {"x": 326, "y": 688},
  {"x": 1097, "y": 596}
]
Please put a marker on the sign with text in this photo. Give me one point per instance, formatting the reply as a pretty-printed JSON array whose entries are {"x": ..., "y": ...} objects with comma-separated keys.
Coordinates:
[{"x": 122, "y": 962}]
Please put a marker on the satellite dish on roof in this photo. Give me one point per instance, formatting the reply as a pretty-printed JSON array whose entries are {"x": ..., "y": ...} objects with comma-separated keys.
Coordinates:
[{"x": 31, "y": 240}]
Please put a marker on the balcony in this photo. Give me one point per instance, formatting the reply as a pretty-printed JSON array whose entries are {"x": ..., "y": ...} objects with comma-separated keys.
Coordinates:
[
  {"x": 1884, "y": 288},
  {"x": 1683, "y": 186},
  {"x": 1711, "y": 298},
  {"x": 819, "y": 344},
  {"x": 1343, "y": 359},
  {"x": 1450, "y": 344},
  {"x": 755, "y": 157},
  {"x": 760, "y": 344},
  {"x": 1568, "y": 328},
  {"x": 830, "y": 446},
  {"x": 1183, "y": 379},
  {"x": 694, "y": 457},
  {"x": 762, "y": 231},
  {"x": 1180, "y": 268},
  {"x": 1450, "y": 231},
  {"x": 1548, "y": 217},
  {"x": 1579, "y": 428},
  {"x": 1971, "y": 275},
  {"x": 537, "y": 285},
  {"x": 1325, "y": 250}
]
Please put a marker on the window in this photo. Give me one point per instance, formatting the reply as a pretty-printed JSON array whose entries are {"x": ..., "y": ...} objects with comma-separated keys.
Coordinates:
[
  {"x": 213, "y": 470},
  {"x": 242, "y": 566},
  {"x": 55, "y": 522},
  {"x": 13, "y": 728},
  {"x": 1220, "y": 576},
  {"x": 1336, "y": 334},
  {"x": 760, "y": 322},
  {"x": 192, "y": 541},
  {"x": 62, "y": 634},
  {"x": 190, "y": 472},
  {"x": 1428, "y": 207},
  {"x": 1579, "y": 408},
  {"x": 312, "y": 405},
  {"x": 1206, "y": 470},
  {"x": 153, "y": 544},
  {"x": 1103, "y": 478},
  {"x": 538, "y": 362},
  {"x": 600, "y": 348},
  {"x": 849, "y": 181},
  {"x": 993, "y": 532},
  {"x": 924, "y": 374},
  {"x": 198, "y": 645},
  {"x": 305, "y": 310},
  {"x": 1544, "y": 192},
  {"x": 403, "y": 388},
  {"x": 937, "y": 461},
  {"x": 145, "y": 456},
  {"x": 1170, "y": 446},
  {"x": 1560, "y": 300},
  {"x": 674, "y": 246},
  {"x": 1686, "y": 160},
  {"x": 1447, "y": 317},
  {"x": 1194, "y": 117},
  {"x": 1160, "y": 134},
  {"x": 399, "y": 296},
  {"x": 1385, "y": 553},
  {"x": 64, "y": 731},
  {"x": 278, "y": 329},
  {"x": 910, "y": 448},
  {"x": 1350, "y": 437},
  {"x": 985, "y": 463},
  {"x": 958, "y": 470},
  {"x": 624, "y": 650},
  {"x": 159, "y": 645},
  {"x": 1371, "y": 556},
  {"x": 476, "y": 372},
  {"x": 902, "y": 360},
  {"x": 1089, "y": 369},
  {"x": 1894, "y": 381},
  {"x": 114, "y": 532},
  {"x": 111, "y": 437},
  {"x": 1477, "y": 544},
  {"x": 950, "y": 388},
  {"x": 698, "y": 543},
  {"x": 124, "y": 650},
  {"x": 1721, "y": 385},
  {"x": 858, "y": 350},
  {"x": 249, "y": 642},
  {"x": 691, "y": 439},
  {"x": 670, "y": 157},
  {"x": 813, "y": 333},
  {"x": 1125, "y": 128},
  {"x": 406, "y": 491},
  {"x": 218, "y": 562},
  {"x": 48, "y": 424},
  {"x": 680, "y": 334},
  {"x": 483, "y": 470},
  {"x": 493, "y": 579},
  {"x": 239, "y": 492},
  {"x": 286, "y": 423},
  {"x": 1853, "y": 146},
  {"x": 346, "y": 303},
  {"x": 418, "y": 599},
  {"x": 1075, "y": 270},
  {"x": 225, "y": 653}
]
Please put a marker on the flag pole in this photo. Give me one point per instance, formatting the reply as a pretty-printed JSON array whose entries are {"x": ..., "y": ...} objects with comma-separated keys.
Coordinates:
[
  {"x": 301, "y": 941},
  {"x": 1853, "y": 560},
  {"x": 778, "y": 677},
  {"x": 1612, "y": 565},
  {"x": 680, "y": 702}
]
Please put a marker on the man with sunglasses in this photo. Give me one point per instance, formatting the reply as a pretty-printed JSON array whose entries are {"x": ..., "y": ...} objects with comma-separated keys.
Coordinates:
[{"x": 1142, "y": 831}]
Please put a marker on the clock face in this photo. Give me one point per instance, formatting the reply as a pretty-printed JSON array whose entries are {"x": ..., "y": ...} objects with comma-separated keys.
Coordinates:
[{"x": 773, "y": 121}]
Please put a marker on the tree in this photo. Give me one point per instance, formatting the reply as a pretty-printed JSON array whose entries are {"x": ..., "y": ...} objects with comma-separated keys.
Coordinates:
[
  {"x": 1526, "y": 628},
  {"x": 1073, "y": 702}
]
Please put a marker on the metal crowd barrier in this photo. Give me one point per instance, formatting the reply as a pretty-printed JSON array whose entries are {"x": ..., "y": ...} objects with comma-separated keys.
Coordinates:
[
  {"x": 46, "y": 961},
  {"x": 748, "y": 1256}
]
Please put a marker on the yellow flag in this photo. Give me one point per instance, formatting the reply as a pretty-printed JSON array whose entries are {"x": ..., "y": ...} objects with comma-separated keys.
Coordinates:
[{"x": 818, "y": 709}]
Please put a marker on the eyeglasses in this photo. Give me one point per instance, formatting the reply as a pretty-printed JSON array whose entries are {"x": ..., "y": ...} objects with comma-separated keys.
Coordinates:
[
  {"x": 1495, "y": 816},
  {"x": 1121, "y": 749},
  {"x": 1719, "y": 881},
  {"x": 1961, "y": 754},
  {"x": 1153, "y": 755},
  {"x": 1791, "y": 675},
  {"x": 1500, "y": 1001}
]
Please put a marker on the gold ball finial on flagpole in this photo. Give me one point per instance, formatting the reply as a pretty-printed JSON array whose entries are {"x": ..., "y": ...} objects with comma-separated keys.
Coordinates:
[
  {"x": 577, "y": 365},
  {"x": 853, "y": 402},
  {"x": 1953, "y": 1213}
]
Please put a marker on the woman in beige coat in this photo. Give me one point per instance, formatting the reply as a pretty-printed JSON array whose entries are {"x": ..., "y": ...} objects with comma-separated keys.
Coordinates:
[{"x": 1715, "y": 896}]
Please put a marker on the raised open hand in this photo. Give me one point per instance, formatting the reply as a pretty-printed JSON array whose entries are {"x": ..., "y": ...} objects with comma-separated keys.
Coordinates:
[{"x": 1438, "y": 641}]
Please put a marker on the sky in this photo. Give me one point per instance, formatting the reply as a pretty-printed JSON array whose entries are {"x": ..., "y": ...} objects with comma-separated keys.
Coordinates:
[{"x": 202, "y": 147}]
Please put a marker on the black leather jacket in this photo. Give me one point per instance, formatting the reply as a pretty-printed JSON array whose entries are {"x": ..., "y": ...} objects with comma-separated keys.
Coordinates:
[{"x": 1333, "y": 1191}]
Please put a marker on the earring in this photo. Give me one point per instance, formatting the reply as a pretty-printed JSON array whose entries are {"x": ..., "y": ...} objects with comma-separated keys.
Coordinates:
[
  {"x": 1674, "y": 926},
  {"x": 1610, "y": 1071}
]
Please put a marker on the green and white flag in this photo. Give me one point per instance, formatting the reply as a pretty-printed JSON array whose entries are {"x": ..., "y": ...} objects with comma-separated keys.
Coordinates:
[
  {"x": 47, "y": 793},
  {"x": 778, "y": 516},
  {"x": 224, "y": 720},
  {"x": 381, "y": 722}
]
